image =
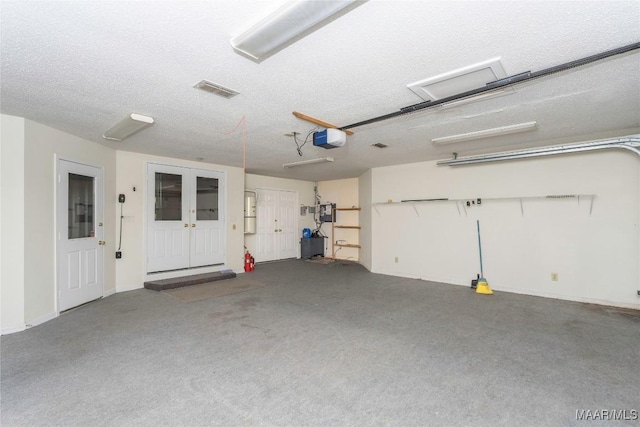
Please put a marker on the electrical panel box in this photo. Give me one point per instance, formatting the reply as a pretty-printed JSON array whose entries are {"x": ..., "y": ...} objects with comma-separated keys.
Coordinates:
[{"x": 326, "y": 214}]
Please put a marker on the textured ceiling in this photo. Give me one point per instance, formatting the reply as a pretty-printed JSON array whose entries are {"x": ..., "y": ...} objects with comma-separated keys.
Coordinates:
[{"x": 81, "y": 66}]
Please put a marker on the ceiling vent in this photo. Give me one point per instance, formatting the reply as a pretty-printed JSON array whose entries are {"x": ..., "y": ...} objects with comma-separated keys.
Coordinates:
[
  {"x": 216, "y": 89},
  {"x": 461, "y": 80}
]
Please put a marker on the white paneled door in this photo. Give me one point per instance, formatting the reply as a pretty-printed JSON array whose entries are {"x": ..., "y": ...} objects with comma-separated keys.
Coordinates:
[
  {"x": 185, "y": 218},
  {"x": 79, "y": 233},
  {"x": 276, "y": 219}
]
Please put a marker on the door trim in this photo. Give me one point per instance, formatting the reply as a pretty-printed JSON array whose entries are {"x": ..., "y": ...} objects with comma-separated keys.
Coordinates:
[{"x": 56, "y": 243}]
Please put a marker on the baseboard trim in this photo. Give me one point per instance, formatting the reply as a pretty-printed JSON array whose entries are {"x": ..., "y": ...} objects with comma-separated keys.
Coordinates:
[
  {"x": 12, "y": 330},
  {"x": 533, "y": 293},
  {"x": 41, "y": 320},
  {"x": 568, "y": 298},
  {"x": 128, "y": 288},
  {"x": 109, "y": 292}
]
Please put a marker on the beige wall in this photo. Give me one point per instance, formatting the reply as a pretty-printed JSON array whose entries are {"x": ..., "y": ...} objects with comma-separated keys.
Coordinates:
[
  {"x": 596, "y": 255},
  {"x": 344, "y": 193},
  {"x": 131, "y": 172},
  {"x": 305, "y": 197},
  {"x": 12, "y": 257}
]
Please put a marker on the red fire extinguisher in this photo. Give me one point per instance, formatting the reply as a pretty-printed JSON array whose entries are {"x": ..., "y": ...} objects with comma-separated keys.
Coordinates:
[{"x": 248, "y": 262}]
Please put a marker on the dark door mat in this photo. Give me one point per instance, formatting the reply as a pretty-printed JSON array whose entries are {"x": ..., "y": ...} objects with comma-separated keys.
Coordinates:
[{"x": 180, "y": 282}]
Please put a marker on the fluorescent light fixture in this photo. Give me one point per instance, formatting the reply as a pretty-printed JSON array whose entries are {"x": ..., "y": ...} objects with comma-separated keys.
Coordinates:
[
  {"x": 128, "y": 126},
  {"x": 504, "y": 130},
  {"x": 308, "y": 162},
  {"x": 631, "y": 143},
  {"x": 288, "y": 24}
]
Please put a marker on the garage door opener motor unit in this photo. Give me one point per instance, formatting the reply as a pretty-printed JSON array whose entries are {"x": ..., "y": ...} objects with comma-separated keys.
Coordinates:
[{"x": 329, "y": 138}]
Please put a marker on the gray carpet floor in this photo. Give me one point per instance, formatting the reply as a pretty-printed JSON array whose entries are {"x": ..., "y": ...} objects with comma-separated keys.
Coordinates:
[{"x": 324, "y": 345}]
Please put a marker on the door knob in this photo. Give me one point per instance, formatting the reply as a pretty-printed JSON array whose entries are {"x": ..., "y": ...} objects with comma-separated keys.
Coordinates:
[
  {"x": 101, "y": 242},
  {"x": 193, "y": 225},
  {"x": 186, "y": 225}
]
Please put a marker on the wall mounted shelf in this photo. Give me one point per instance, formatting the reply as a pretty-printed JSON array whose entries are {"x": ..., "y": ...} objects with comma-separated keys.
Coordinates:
[
  {"x": 476, "y": 201},
  {"x": 335, "y": 226}
]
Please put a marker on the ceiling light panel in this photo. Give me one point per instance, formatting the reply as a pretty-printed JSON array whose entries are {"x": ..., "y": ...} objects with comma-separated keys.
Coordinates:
[
  {"x": 486, "y": 133},
  {"x": 308, "y": 162},
  {"x": 289, "y": 23},
  {"x": 458, "y": 81},
  {"x": 216, "y": 89},
  {"x": 127, "y": 127}
]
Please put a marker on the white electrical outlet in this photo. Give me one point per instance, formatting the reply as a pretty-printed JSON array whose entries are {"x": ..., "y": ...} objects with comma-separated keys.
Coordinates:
[{"x": 554, "y": 277}]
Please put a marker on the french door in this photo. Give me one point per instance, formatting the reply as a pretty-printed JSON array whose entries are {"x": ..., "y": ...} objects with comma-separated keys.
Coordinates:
[
  {"x": 185, "y": 218},
  {"x": 79, "y": 234},
  {"x": 277, "y": 226}
]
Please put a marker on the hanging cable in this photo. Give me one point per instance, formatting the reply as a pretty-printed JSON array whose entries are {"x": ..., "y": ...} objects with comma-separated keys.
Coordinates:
[
  {"x": 120, "y": 241},
  {"x": 316, "y": 213},
  {"x": 306, "y": 139},
  {"x": 243, "y": 123}
]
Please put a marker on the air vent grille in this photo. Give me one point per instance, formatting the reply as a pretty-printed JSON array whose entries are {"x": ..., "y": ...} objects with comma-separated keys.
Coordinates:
[{"x": 216, "y": 89}]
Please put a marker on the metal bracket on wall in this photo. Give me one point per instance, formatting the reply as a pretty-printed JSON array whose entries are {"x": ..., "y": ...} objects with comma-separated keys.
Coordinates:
[{"x": 463, "y": 202}]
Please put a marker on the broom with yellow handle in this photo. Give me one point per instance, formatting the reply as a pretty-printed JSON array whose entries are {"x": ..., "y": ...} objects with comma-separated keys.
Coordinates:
[{"x": 482, "y": 286}]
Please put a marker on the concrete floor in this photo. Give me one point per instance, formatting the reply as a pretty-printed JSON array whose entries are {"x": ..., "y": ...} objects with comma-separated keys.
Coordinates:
[{"x": 325, "y": 345}]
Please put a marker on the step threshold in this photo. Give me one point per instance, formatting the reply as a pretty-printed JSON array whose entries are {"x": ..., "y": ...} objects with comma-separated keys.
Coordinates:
[{"x": 180, "y": 282}]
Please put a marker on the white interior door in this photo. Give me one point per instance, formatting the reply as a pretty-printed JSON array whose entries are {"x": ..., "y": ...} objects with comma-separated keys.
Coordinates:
[
  {"x": 186, "y": 217},
  {"x": 287, "y": 242},
  {"x": 207, "y": 218},
  {"x": 80, "y": 234},
  {"x": 276, "y": 225},
  {"x": 168, "y": 218},
  {"x": 266, "y": 226}
]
